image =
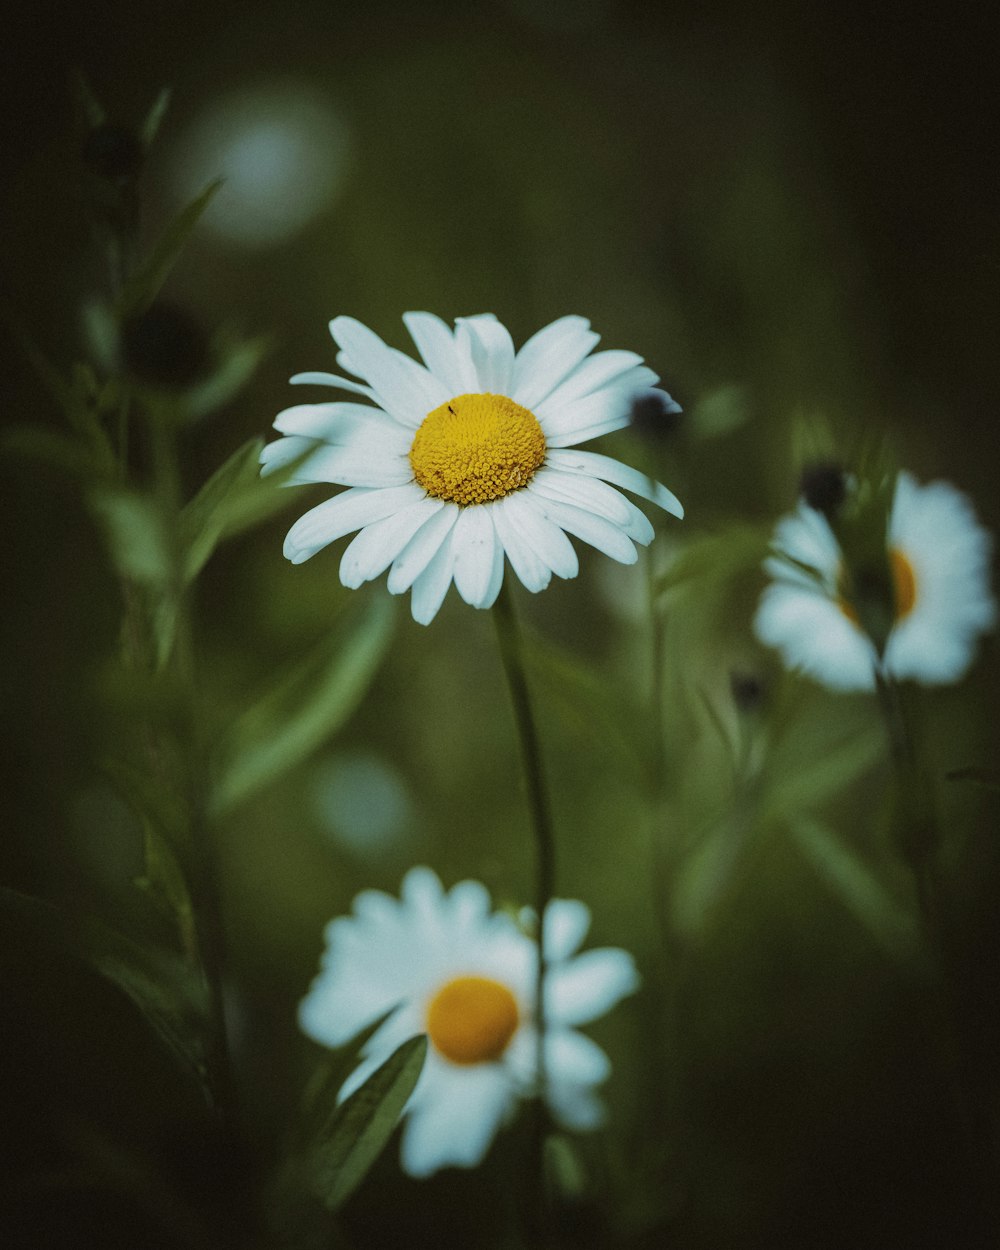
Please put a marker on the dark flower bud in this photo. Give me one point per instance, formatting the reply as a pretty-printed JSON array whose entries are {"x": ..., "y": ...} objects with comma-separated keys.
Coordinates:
[
  {"x": 113, "y": 152},
  {"x": 748, "y": 690},
  {"x": 164, "y": 346},
  {"x": 654, "y": 414},
  {"x": 824, "y": 487}
]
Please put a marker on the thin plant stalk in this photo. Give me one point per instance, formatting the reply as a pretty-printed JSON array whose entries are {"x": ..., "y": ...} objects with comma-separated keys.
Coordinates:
[{"x": 512, "y": 654}]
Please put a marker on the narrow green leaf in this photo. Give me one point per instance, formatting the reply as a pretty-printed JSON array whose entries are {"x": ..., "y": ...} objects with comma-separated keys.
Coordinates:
[
  {"x": 237, "y": 364},
  {"x": 166, "y": 991},
  {"x": 89, "y": 108},
  {"x": 725, "y": 554},
  {"x": 135, "y": 535},
  {"x": 854, "y": 884},
  {"x": 165, "y": 883},
  {"x": 233, "y": 499},
  {"x": 144, "y": 284},
  {"x": 154, "y": 118},
  {"x": 56, "y": 451},
  {"x": 360, "y": 1127},
  {"x": 305, "y": 705},
  {"x": 810, "y": 769}
]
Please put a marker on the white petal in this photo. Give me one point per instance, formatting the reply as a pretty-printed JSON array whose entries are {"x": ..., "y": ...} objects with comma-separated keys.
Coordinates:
[
  {"x": 430, "y": 588},
  {"x": 492, "y": 352},
  {"x": 815, "y": 637},
  {"x": 375, "y": 464},
  {"x": 475, "y": 543},
  {"x": 314, "y": 378},
  {"x": 496, "y": 574},
  {"x": 348, "y": 511},
  {"x": 576, "y": 1107},
  {"x": 549, "y": 356},
  {"x": 372, "y": 551},
  {"x": 405, "y": 389},
  {"x": 339, "y": 422},
  {"x": 455, "y": 1123},
  {"x": 563, "y": 421},
  {"x": 593, "y": 374},
  {"x": 566, "y": 923},
  {"x": 592, "y": 529},
  {"x": 533, "y": 572},
  {"x": 589, "y": 985},
  {"x": 618, "y": 474},
  {"x": 573, "y": 1058},
  {"x": 421, "y": 549},
  {"x": 583, "y": 492},
  {"x": 543, "y": 536},
  {"x": 445, "y": 358}
]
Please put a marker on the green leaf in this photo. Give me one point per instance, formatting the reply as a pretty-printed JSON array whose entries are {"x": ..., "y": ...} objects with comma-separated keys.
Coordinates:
[
  {"x": 89, "y": 109},
  {"x": 167, "y": 992},
  {"x": 144, "y": 284},
  {"x": 358, "y": 1130},
  {"x": 810, "y": 767},
  {"x": 237, "y": 363},
  {"x": 305, "y": 705},
  {"x": 731, "y": 551},
  {"x": 233, "y": 499},
  {"x": 136, "y": 538},
  {"x": 154, "y": 118},
  {"x": 54, "y": 450},
  {"x": 854, "y": 884}
]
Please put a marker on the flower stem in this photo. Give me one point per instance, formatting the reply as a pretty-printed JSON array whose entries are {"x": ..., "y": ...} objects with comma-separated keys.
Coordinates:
[
  {"x": 512, "y": 654},
  {"x": 918, "y": 839}
]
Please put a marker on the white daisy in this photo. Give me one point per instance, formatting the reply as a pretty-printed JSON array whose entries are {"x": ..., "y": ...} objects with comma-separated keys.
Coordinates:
[
  {"x": 938, "y": 557},
  {"x": 467, "y": 458},
  {"x": 447, "y": 965}
]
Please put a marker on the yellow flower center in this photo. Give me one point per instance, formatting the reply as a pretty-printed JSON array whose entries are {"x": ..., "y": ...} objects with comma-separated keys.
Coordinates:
[
  {"x": 476, "y": 448},
  {"x": 904, "y": 589},
  {"x": 904, "y": 583},
  {"x": 472, "y": 1019}
]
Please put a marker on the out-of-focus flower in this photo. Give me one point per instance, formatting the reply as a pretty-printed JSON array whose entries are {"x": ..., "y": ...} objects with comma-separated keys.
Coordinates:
[
  {"x": 446, "y": 964},
  {"x": 933, "y": 570},
  {"x": 468, "y": 457}
]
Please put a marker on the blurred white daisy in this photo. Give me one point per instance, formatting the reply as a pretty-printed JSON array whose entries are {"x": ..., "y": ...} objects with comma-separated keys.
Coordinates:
[
  {"x": 467, "y": 458},
  {"x": 938, "y": 564},
  {"x": 448, "y": 965}
]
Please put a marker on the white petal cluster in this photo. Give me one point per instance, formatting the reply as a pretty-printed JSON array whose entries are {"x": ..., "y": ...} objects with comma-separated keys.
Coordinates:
[
  {"x": 425, "y": 542},
  {"x": 395, "y": 954},
  {"x": 934, "y": 528}
]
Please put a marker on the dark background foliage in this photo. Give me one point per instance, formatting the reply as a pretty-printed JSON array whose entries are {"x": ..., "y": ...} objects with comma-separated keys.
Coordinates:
[{"x": 792, "y": 211}]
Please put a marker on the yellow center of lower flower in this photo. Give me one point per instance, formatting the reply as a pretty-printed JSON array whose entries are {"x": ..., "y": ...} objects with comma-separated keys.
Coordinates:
[
  {"x": 472, "y": 1019},
  {"x": 476, "y": 448},
  {"x": 904, "y": 589}
]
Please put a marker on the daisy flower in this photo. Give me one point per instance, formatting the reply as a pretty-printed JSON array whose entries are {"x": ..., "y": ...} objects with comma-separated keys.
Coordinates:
[
  {"x": 456, "y": 463},
  {"x": 448, "y": 965},
  {"x": 937, "y": 558}
]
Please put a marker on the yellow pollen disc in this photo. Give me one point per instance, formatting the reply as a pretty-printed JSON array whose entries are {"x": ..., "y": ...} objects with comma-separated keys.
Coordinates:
[
  {"x": 476, "y": 448},
  {"x": 904, "y": 588},
  {"x": 472, "y": 1019},
  {"x": 904, "y": 583}
]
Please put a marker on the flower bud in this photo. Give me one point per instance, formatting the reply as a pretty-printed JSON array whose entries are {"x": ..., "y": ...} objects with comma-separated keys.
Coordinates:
[
  {"x": 823, "y": 485},
  {"x": 654, "y": 414}
]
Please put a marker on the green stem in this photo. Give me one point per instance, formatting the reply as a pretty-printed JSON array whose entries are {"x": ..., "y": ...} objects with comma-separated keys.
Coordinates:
[
  {"x": 512, "y": 655},
  {"x": 918, "y": 840},
  {"x": 206, "y": 890}
]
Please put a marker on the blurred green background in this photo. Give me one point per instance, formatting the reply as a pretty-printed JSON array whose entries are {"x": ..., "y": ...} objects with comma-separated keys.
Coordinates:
[{"x": 793, "y": 216}]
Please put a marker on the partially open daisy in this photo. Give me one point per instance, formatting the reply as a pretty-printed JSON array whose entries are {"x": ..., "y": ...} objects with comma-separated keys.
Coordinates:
[
  {"x": 467, "y": 458},
  {"x": 446, "y": 964},
  {"x": 936, "y": 569}
]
